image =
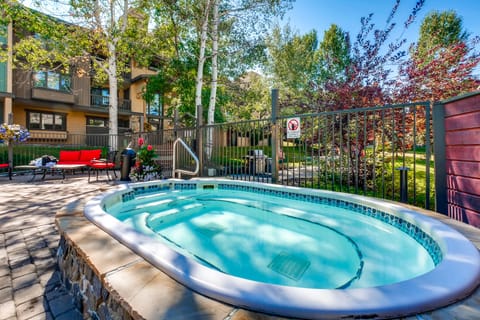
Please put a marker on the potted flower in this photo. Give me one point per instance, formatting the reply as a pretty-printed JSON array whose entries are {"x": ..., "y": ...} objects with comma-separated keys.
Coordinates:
[
  {"x": 9, "y": 134},
  {"x": 145, "y": 167}
]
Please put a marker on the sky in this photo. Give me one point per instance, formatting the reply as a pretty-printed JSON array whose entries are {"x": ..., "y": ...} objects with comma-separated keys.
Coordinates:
[{"x": 318, "y": 15}]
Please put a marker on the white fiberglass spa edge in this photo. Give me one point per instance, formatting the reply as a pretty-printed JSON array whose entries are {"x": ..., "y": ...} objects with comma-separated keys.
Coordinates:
[{"x": 443, "y": 285}]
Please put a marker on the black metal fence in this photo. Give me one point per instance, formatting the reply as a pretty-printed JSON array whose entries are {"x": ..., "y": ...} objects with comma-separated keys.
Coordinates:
[{"x": 365, "y": 151}]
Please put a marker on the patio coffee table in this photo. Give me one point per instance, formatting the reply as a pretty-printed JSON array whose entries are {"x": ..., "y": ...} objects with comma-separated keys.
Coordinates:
[{"x": 44, "y": 169}]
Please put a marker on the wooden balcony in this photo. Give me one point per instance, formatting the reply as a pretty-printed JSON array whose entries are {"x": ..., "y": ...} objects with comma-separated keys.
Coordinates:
[
  {"x": 102, "y": 102},
  {"x": 53, "y": 95}
]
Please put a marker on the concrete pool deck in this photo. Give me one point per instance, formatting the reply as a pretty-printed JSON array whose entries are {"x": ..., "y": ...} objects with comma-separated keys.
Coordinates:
[{"x": 30, "y": 286}]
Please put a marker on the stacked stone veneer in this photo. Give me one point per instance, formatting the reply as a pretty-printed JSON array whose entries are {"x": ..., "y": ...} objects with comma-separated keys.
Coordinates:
[
  {"x": 81, "y": 277},
  {"x": 90, "y": 295}
]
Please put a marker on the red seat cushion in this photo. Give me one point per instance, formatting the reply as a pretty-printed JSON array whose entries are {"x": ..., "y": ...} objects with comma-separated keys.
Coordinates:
[
  {"x": 69, "y": 155},
  {"x": 89, "y": 155},
  {"x": 102, "y": 165}
]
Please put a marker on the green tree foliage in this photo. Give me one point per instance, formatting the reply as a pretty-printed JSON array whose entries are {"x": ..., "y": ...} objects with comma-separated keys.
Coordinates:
[
  {"x": 439, "y": 30},
  {"x": 292, "y": 67},
  {"x": 342, "y": 75},
  {"x": 249, "y": 98},
  {"x": 293, "y": 58},
  {"x": 242, "y": 27},
  {"x": 176, "y": 44},
  {"x": 334, "y": 54},
  {"x": 37, "y": 47},
  {"x": 337, "y": 74},
  {"x": 442, "y": 62},
  {"x": 234, "y": 23}
]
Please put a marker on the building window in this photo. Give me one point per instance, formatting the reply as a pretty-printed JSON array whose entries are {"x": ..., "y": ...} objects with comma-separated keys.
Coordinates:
[
  {"x": 155, "y": 107},
  {"x": 97, "y": 122},
  {"x": 3, "y": 64},
  {"x": 103, "y": 122},
  {"x": 52, "y": 80},
  {"x": 124, "y": 124},
  {"x": 38, "y": 120},
  {"x": 3, "y": 76},
  {"x": 3, "y": 35},
  {"x": 100, "y": 96},
  {"x": 2, "y": 111}
]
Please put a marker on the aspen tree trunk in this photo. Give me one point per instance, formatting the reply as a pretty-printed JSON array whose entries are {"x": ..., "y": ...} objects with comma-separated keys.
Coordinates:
[
  {"x": 112, "y": 71},
  {"x": 213, "y": 92},
  {"x": 201, "y": 59},
  {"x": 113, "y": 98}
]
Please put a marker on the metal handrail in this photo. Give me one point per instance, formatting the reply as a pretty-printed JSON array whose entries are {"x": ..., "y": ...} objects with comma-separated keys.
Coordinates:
[{"x": 180, "y": 171}]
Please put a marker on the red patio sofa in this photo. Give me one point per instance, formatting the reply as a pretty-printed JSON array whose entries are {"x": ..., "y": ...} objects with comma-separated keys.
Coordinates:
[
  {"x": 83, "y": 157},
  {"x": 91, "y": 159}
]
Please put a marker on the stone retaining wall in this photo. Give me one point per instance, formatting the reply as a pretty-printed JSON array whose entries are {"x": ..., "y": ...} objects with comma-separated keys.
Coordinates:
[
  {"x": 90, "y": 295},
  {"x": 81, "y": 275}
]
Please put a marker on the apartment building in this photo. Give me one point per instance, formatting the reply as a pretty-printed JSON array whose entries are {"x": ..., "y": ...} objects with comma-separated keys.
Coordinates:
[{"x": 58, "y": 105}]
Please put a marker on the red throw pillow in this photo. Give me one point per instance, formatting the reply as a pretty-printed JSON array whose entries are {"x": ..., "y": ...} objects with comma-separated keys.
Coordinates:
[{"x": 69, "y": 155}]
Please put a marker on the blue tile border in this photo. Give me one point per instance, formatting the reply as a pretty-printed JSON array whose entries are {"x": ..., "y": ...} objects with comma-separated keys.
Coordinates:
[
  {"x": 150, "y": 188},
  {"x": 185, "y": 186},
  {"x": 424, "y": 239}
]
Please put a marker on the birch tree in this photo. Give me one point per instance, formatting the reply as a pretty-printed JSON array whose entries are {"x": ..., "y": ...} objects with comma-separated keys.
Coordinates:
[
  {"x": 241, "y": 22},
  {"x": 213, "y": 89},
  {"x": 201, "y": 57},
  {"x": 238, "y": 36},
  {"x": 117, "y": 32}
]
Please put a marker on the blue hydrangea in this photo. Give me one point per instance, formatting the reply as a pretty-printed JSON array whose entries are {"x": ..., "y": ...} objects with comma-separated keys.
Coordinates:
[{"x": 13, "y": 133}]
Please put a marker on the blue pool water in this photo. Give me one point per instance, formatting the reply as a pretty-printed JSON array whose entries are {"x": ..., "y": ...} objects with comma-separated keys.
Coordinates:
[{"x": 278, "y": 241}]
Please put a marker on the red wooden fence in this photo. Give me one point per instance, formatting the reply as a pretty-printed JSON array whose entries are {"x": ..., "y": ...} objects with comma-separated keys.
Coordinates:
[{"x": 462, "y": 158}]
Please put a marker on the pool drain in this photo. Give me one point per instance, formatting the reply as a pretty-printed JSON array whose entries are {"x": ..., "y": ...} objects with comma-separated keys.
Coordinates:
[{"x": 290, "y": 265}]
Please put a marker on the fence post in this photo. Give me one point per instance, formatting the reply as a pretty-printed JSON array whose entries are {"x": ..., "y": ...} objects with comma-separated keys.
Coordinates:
[
  {"x": 441, "y": 205},
  {"x": 10, "y": 150},
  {"x": 175, "y": 122},
  {"x": 403, "y": 184},
  {"x": 275, "y": 137},
  {"x": 199, "y": 133}
]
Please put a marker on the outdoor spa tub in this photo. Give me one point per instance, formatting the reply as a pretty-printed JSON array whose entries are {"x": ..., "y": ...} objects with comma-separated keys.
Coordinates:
[{"x": 291, "y": 251}]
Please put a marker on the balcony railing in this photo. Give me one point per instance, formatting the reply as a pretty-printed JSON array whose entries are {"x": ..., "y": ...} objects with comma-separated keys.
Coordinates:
[{"x": 102, "y": 102}]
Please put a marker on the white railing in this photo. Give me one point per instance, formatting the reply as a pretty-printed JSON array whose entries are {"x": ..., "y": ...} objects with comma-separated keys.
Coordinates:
[{"x": 183, "y": 171}]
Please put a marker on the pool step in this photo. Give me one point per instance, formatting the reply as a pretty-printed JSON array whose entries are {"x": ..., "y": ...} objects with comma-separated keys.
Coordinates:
[{"x": 157, "y": 220}]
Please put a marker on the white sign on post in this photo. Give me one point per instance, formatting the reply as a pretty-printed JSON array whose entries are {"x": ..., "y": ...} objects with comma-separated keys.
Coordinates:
[{"x": 293, "y": 128}]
